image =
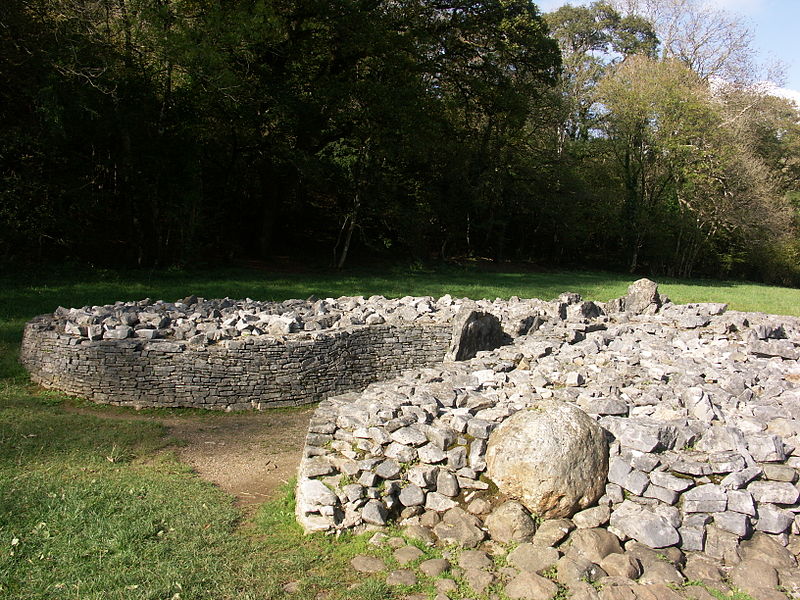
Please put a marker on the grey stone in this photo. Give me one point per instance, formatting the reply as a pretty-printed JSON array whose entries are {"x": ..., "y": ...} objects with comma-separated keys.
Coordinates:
[
  {"x": 314, "y": 492},
  {"x": 660, "y": 493},
  {"x": 693, "y": 539},
  {"x": 407, "y": 554},
  {"x": 642, "y": 295},
  {"x": 765, "y": 447},
  {"x": 368, "y": 479},
  {"x": 431, "y": 454},
  {"x": 367, "y": 564},
  {"x": 739, "y": 479},
  {"x": 510, "y": 522},
  {"x": 534, "y": 559},
  {"x": 593, "y": 544},
  {"x": 734, "y": 522},
  {"x": 460, "y": 528},
  {"x": 480, "y": 429},
  {"x": 641, "y": 434},
  {"x": 412, "y": 495},
  {"x": 447, "y": 484},
  {"x": 120, "y": 332},
  {"x": 477, "y": 455},
  {"x": 401, "y": 453},
  {"x": 775, "y": 472},
  {"x": 353, "y": 492},
  {"x": 457, "y": 458},
  {"x": 643, "y": 525},
  {"x": 388, "y": 469},
  {"x": 705, "y": 498},
  {"x": 552, "y": 457},
  {"x": 409, "y": 436},
  {"x": 774, "y": 492},
  {"x": 529, "y": 586},
  {"x": 438, "y": 502},
  {"x": 671, "y": 482},
  {"x": 434, "y": 567},
  {"x": 772, "y": 519},
  {"x": 401, "y": 577},
  {"x": 474, "y": 331},
  {"x": 442, "y": 437},
  {"x": 423, "y": 475},
  {"x": 374, "y": 512},
  {"x": 591, "y": 517},
  {"x": 741, "y": 501}
]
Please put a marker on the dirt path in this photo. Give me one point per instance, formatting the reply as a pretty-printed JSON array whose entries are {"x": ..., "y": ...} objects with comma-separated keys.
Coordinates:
[{"x": 249, "y": 455}]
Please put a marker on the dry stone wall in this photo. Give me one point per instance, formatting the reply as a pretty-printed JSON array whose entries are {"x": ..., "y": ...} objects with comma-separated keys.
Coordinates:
[
  {"x": 255, "y": 372},
  {"x": 232, "y": 355}
]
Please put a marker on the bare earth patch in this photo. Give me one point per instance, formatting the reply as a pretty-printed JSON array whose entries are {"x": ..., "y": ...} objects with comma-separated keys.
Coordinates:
[{"x": 249, "y": 454}]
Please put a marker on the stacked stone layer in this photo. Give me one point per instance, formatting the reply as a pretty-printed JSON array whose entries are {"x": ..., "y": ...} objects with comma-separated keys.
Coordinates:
[
  {"x": 701, "y": 408},
  {"x": 234, "y": 355}
]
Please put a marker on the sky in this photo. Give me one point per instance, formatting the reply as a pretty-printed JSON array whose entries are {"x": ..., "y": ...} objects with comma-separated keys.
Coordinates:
[{"x": 775, "y": 25}]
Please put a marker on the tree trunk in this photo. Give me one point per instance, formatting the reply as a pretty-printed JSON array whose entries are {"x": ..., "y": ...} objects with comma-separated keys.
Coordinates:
[{"x": 350, "y": 224}]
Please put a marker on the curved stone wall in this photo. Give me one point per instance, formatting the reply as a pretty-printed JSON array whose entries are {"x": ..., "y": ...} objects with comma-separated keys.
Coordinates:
[
  {"x": 249, "y": 372},
  {"x": 231, "y": 355}
]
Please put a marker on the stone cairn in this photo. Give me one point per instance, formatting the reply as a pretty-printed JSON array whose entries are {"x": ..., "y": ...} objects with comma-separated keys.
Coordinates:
[
  {"x": 202, "y": 322},
  {"x": 621, "y": 449}
]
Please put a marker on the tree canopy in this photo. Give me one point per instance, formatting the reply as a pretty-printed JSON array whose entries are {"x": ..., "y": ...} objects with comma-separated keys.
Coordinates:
[{"x": 161, "y": 132}]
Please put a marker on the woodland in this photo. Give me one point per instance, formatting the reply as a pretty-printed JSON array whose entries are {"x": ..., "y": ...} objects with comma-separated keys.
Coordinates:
[{"x": 629, "y": 135}]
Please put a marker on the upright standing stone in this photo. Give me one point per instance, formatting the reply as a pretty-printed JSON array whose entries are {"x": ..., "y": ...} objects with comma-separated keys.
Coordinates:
[{"x": 474, "y": 330}]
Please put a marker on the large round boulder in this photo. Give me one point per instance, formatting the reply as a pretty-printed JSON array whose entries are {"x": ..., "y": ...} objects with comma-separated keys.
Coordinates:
[{"x": 551, "y": 457}]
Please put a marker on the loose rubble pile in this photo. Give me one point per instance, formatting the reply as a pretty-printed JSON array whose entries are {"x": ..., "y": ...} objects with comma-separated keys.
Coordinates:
[
  {"x": 198, "y": 320},
  {"x": 699, "y": 413}
]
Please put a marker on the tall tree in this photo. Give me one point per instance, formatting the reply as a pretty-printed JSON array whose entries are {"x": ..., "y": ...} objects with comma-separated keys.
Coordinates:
[{"x": 714, "y": 43}]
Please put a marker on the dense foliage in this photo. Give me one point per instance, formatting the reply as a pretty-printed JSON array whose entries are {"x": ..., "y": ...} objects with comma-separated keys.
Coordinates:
[{"x": 158, "y": 132}]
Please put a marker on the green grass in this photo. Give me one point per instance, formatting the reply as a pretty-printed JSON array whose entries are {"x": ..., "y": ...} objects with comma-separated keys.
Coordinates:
[
  {"x": 94, "y": 508},
  {"x": 36, "y": 291},
  {"x": 101, "y": 509}
]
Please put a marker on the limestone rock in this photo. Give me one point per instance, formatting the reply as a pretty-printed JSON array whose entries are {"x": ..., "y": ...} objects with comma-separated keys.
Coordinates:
[
  {"x": 407, "y": 554},
  {"x": 367, "y": 564},
  {"x": 401, "y": 577},
  {"x": 434, "y": 567},
  {"x": 593, "y": 544},
  {"x": 644, "y": 525},
  {"x": 642, "y": 295},
  {"x": 474, "y": 330},
  {"x": 553, "y": 458},
  {"x": 534, "y": 559},
  {"x": 460, "y": 528},
  {"x": 529, "y": 586},
  {"x": 510, "y": 522}
]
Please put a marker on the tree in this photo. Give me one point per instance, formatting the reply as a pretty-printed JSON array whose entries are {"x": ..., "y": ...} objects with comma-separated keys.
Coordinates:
[
  {"x": 688, "y": 176},
  {"x": 592, "y": 39},
  {"x": 713, "y": 43}
]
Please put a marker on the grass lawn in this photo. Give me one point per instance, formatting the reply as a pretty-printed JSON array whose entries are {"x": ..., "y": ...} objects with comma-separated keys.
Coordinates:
[{"x": 101, "y": 508}]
